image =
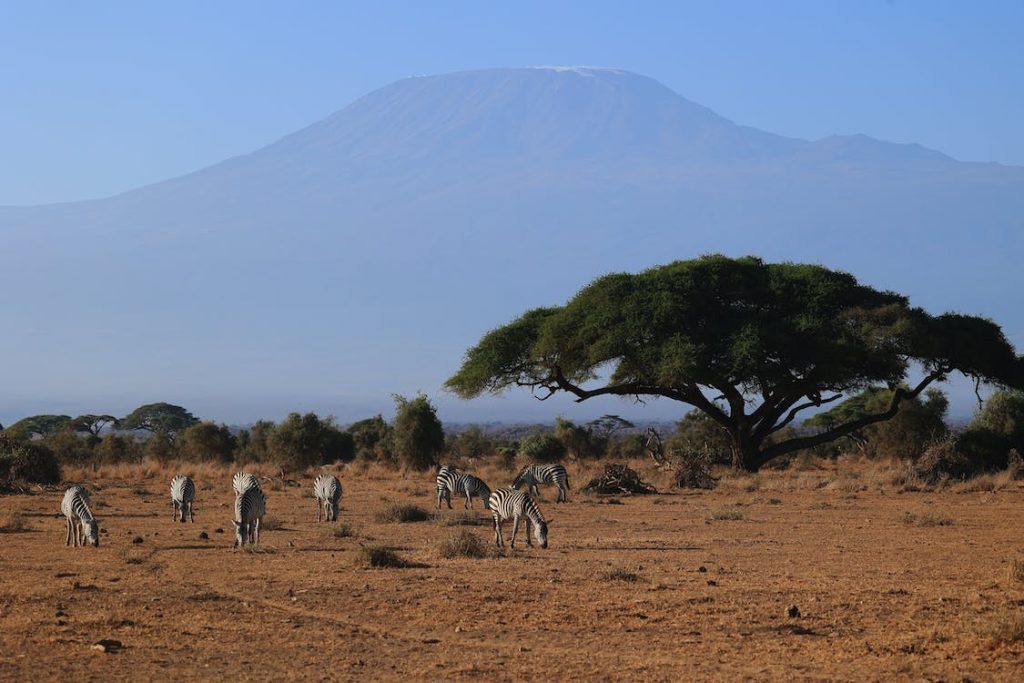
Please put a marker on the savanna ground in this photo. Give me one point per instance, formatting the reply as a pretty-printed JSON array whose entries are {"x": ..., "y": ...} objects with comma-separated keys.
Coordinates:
[{"x": 891, "y": 582}]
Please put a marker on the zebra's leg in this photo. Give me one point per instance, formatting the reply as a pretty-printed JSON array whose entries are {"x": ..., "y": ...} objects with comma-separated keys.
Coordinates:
[
  {"x": 515, "y": 529},
  {"x": 319, "y": 509},
  {"x": 437, "y": 503},
  {"x": 257, "y": 532},
  {"x": 497, "y": 530},
  {"x": 67, "y": 541},
  {"x": 528, "y": 541},
  {"x": 191, "y": 515},
  {"x": 448, "y": 498},
  {"x": 469, "y": 500}
]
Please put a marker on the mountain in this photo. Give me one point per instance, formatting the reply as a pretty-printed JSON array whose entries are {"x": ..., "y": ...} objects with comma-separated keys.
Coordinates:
[{"x": 361, "y": 255}]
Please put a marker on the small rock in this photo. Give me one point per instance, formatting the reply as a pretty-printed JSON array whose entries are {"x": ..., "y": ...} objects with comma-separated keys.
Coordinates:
[
  {"x": 793, "y": 612},
  {"x": 137, "y": 540},
  {"x": 458, "y": 629},
  {"x": 203, "y": 536},
  {"x": 702, "y": 569},
  {"x": 712, "y": 582},
  {"x": 59, "y": 613},
  {"x": 61, "y": 622},
  {"x": 218, "y": 531}
]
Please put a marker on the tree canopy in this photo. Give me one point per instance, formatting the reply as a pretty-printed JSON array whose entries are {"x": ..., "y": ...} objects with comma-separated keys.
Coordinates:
[
  {"x": 749, "y": 343},
  {"x": 163, "y": 418},
  {"x": 41, "y": 425}
]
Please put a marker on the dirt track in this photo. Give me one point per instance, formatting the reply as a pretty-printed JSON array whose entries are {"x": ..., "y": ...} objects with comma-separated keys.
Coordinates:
[{"x": 881, "y": 596}]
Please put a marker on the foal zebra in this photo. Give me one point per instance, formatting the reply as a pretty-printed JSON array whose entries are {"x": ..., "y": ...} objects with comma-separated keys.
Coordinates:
[
  {"x": 553, "y": 473},
  {"x": 242, "y": 481},
  {"x": 250, "y": 506},
  {"x": 450, "y": 480},
  {"x": 183, "y": 492},
  {"x": 516, "y": 505},
  {"x": 80, "y": 522},
  {"x": 327, "y": 491}
]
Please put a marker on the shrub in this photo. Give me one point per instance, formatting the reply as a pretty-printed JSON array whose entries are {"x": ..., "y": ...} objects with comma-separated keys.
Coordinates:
[
  {"x": 379, "y": 556},
  {"x": 418, "y": 434},
  {"x": 1006, "y": 627},
  {"x": 403, "y": 512},
  {"x": 12, "y": 522},
  {"x": 343, "y": 530},
  {"x": 927, "y": 519},
  {"x": 373, "y": 440},
  {"x": 1017, "y": 571},
  {"x": 207, "y": 441},
  {"x": 726, "y": 514},
  {"x": 942, "y": 460},
  {"x": 302, "y": 441},
  {"x": 542, "y": 447},
  {"x": 466, "y": 519},
  {"x": 698, "y": 432},
  {"x": 27, "y": 461},
  {"x": 693, "y": 470},
  {"x": 463, "y": 544}
]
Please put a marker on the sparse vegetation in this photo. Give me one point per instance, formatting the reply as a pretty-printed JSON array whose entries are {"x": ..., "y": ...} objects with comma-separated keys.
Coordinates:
[
  {"x": 926, "y": 519},
  {"x": 12, "y": 522},
  {"x": 1017, "y": 571},
  {"x": 466, "y": 519},
  {"x": 726, "y": 514},
  {"x": 403, "y": 512},
  {"x": 379, "y": 557},
  {"x": 1006, "y": 627},
  {"x": 342, "y": 530},
  {"x": 620, "y": 574},
  {"x": 463, "y": 543}
]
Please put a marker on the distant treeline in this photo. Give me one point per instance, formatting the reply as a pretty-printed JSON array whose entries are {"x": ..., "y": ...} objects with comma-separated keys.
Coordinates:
[{"x": 34, "y": 448}]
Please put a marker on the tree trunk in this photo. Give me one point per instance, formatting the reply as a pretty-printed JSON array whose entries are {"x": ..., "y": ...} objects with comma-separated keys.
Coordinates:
[{"x": 747, "y": 455}]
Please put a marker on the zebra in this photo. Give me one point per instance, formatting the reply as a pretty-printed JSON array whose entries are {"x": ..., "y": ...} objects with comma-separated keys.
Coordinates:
[
  {"x": 242, "y": 481},
  {"x": 250, "y": 506},
  {"x": 183, "y": 492},
  {"x": 450, "y": 480},
  {"x": 544, "y": 474},
  {"x": 516, "y": 505},
  {"x": 81, "y": 524},
  {"x": 327, "y": 491}
]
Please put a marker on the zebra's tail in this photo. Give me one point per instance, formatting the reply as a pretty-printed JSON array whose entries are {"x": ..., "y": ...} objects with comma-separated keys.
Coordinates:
[{"x": 567, "y": 480}]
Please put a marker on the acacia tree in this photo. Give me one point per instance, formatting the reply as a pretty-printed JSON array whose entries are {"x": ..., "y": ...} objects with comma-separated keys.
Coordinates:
[
  {"x": 159, "y": 418},
  {"x": 41, "y": 425},
  {"x": 93, "y": 424},
  {"x": 751, "y": 344}
]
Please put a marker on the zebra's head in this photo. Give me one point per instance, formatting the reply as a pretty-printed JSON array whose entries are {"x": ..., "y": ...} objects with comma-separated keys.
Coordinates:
[
  {"x": 181, "y": 512},
  {"x": 540, "y": 530},
  {"x": 520, "y": 479},
  {"x": 91, "y": 529},
  {"x": 332, "y": 510}
]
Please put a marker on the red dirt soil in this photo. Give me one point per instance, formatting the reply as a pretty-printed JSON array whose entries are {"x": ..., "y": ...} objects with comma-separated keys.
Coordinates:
[{"x": 679, "y": 586}]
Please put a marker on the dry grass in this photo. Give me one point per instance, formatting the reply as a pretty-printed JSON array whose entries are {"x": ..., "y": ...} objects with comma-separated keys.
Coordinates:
[
  {"x": 463, "y": 543},
  {"x": 1004, "y": 627},
  {"x": 12, "y": 522},
  {"x": 926, "y": 519},
  {"x": 403, "y": 512},
  {"x": 620, "y": 574},
  {"x": 726, "y": 514},
  {"x": 466, "y": 519},
  {"x": 342, "y": 530},
  {"x": 1017, "y": 571}
]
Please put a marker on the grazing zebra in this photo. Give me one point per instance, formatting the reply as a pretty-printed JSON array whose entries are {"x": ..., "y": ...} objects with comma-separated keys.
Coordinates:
[
  {"x": 250, "y": 506},
  {"x": 242, "y": 481},
  {"x": 81, "y": 524},
  {"x": 544, "y": 474},
  {"x": 327, "y": 490},
  {"x": 516, "y": 505},
  {"x": 450, "y": 481},
  {"x": 183, "y": 492}
]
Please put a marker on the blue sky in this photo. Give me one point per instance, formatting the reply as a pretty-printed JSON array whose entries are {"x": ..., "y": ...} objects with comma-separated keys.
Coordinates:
[{"x": 102, "y": 97}]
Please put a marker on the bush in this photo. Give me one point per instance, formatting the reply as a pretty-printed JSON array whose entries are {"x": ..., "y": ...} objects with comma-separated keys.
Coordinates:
[
  {"x": 302, "y": 441},
  {"x": 698, "y": 432},
  {"x": 113, "y": 449},
  {"x": 71, "y": 447},
  {"x": 463, "y": 544},
  {"x": 28, "y": 462},
  {"x": 373, "y": 440},
  {"x": 542, "y": 447},
  {"x": 379, "y": 556},
  {"x": 694, "y": 470},
  {"x": 470, "y": 443},
  {"x": 207, "y": 441},
  {"x": 403, "y": 512},
  {"x": 253, "y": 444},
  {"x": 418, "y": 434}
]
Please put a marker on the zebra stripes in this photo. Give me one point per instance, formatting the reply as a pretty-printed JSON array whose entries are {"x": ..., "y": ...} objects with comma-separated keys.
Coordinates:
[
  {"x": 183, "y": 492},
  {"x": 250, "y": 507},
  {"x": 516, "y": 505},
  {"x": 450, "y": 480},
  {"x": 327, "y": 491},
  {"x": 553, "y": 473},
  {"x": 242, "y": 481},
  {"x": 80, "y": 522}
]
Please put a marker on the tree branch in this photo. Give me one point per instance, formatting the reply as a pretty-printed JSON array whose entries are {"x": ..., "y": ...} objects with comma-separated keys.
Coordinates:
[
  {"x": 813, "y": 403},
  {"x": 898, "y": 396}
]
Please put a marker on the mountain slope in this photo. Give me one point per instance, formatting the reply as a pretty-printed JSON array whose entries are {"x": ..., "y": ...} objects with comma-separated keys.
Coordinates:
[{"x": 362, "y": 254}]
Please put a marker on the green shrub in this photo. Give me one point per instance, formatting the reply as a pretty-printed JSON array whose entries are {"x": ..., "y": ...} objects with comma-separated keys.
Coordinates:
[{"x": 28, "y": 462}]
